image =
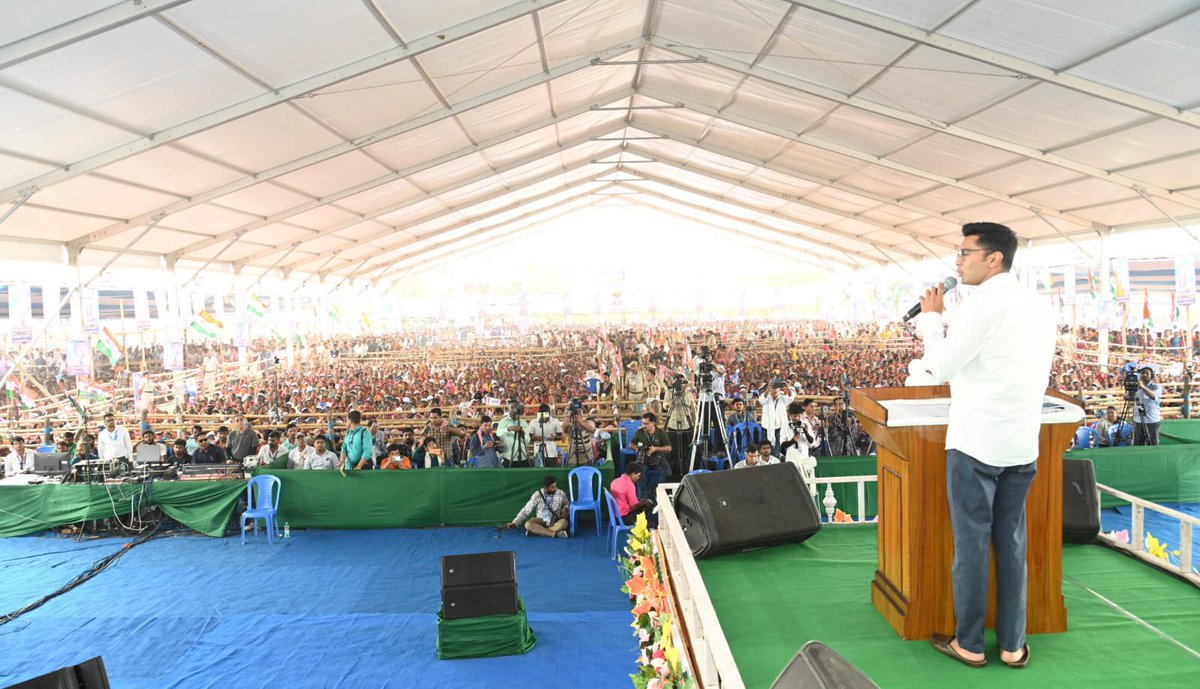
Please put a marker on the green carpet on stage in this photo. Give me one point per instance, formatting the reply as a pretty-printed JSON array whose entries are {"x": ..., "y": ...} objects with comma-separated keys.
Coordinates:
[
  {"x": 485, "y": 637},
  {"x": 1130, "y": 625}
]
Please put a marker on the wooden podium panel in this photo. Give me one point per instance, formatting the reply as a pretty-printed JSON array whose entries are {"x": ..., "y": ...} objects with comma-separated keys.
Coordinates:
[{"x": 912, "y": 587}]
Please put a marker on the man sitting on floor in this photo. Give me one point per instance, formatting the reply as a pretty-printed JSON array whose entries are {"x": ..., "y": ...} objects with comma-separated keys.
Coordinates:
[
  {"x": 551, "y": 507},
  {"x": 321, "y": 458},
  {"x": 624, "y": 491}
]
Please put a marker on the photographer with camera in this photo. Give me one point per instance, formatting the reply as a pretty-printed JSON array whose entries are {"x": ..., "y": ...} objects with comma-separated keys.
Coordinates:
[
  {"x": 579, "y": 432},
  {"x": 544, "y": 430},
  {"x": 514, "y": 436},
  {"x": 653, "y": 447},
  {"x": 681, "y": 411},
  {"x": 484, "y": 447},
  {"x": 1147, "y": 409}
]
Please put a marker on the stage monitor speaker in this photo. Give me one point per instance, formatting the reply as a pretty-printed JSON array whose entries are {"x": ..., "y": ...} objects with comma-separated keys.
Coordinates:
[
  {"x": 480, "y": 600},
  {"x": 1081, "y": 502},
  {"x": 90, "y": 674},
  {"x": 479, "y": 568},
  {"x": 728, "y": 511},
  {"x": 816, "y": 666}
]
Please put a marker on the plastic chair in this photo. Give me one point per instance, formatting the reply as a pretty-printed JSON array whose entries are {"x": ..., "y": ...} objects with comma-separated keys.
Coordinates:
[
  {"x": 473, "y": 463},
  {"x": 628, "y": 428},
  {"x": 615, "y": 525},
  {"x": 1086, "y": 437},
  {"x": 699, "y": 471},
  {"x": 262, "y": 502},
  {"x": 589, "y": 497},
  {"x": 1120, "y": 435}
]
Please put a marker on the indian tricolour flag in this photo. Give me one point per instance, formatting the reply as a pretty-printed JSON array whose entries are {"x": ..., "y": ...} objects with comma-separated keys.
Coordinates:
[
  {"x": 204, "y": 329},
  {"x": 255, "y": 307},
  {"x": 109, "y": 347}
]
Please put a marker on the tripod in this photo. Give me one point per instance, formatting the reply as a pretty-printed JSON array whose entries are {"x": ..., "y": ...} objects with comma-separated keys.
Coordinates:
[
  {"x": 518, "y": 455},
  {"x": 706, "y": 412},
  {"x": 1126, "y": 411}
]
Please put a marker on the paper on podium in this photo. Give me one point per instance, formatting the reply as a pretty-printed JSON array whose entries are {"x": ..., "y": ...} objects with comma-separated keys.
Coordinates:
[{"x": 936, "y": 412}]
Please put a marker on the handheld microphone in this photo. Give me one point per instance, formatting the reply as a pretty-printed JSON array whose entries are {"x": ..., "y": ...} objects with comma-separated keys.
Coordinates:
[{"x": 949, "y": 283}]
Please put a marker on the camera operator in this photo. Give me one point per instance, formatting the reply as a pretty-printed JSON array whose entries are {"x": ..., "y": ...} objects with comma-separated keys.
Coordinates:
[
  {"x": 578, "y": 431},
  {"x": 681, "y": 410},
  {"x": 652, "y": 447},
  {"x": 1147, "y": 411},
  {"x": 483, "y": 446},
  {"x": 514, "y": 435},
  {"x": 544, "y": 430}
]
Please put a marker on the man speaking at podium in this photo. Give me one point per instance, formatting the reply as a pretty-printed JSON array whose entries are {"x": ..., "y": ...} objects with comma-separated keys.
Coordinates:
[{"x": 996, "y": 355}]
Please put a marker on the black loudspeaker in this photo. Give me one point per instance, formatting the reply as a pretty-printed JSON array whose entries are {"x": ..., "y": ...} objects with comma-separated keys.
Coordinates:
[
  {"x": 479, "y": 601},
  {"x": 90, "y": 674},
  {"x": 479, "y": 568},
  {"x": 728, "y": 511},
  {"x": 478, "y": 585},
  {"x": 1081, "y": 502},
  {"x": 816, "y": 666}
]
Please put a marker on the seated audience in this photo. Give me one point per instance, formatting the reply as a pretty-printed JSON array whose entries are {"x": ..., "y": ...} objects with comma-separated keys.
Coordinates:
[{"x": 321, "y": 458}]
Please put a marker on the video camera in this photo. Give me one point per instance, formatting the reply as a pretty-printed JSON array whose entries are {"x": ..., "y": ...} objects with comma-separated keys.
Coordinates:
[
  {"x": 575, "y": 405},
  {"x": 1130, "y": 380},
  {"x": 704, "y": 375}
]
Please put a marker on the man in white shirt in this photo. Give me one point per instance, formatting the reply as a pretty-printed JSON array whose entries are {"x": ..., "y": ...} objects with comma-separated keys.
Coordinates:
[
  {"x": 544, "y": 430},
  {"x": 321, "y": 458},
  {"x": 757, "y": 456},
  {"x": 300, "y": 453},
  {"x": 774, "y": 414},
  {"x": 19, "y": 459},
  {"x": 996, "y": 357},
  {"x": 113, "y": 441},
  {"x": 273, "y": 454}
]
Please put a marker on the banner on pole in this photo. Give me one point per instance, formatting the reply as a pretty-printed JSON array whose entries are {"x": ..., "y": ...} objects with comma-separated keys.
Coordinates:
[
  {"x": 79, "y": 358},
  {"x": 1185, "y": 280},
  {"x": 1120, "y": 280},
  {"x": 20, "y": 312},
  {"x": 91, "y": 311},
  {"x": 173, "y": 356},
  {"x": 141, "y": 309},
  {"x": 1068, "y": 293}
]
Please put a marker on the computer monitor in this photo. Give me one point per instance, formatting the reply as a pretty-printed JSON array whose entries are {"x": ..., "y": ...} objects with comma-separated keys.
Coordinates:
[{"x": 50, "y": 463}]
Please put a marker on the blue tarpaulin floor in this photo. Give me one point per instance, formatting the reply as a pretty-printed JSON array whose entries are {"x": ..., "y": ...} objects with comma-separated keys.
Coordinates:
[
  {"x": 1160, "y": 526},
  {"x": 322, "y": 609}
]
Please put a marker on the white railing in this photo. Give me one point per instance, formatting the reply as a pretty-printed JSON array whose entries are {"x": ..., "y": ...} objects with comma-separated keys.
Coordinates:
[
  {"x": 830, "y": 502},
  {"x": 714, "y": 666},
  {"x": 1137, "y": 534}
]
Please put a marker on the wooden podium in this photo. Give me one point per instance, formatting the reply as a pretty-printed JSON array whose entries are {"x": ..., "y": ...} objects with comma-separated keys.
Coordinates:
[{"x": 912, "y": 586}]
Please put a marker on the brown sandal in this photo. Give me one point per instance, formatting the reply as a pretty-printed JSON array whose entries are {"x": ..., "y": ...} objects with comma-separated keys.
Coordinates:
[
  {"x": 1020, "y": 663},
  {"x": 942, "y": 643}
]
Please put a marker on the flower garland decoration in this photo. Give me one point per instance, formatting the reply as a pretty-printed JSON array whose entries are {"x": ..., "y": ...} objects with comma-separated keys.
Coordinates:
[{"x": 659, "y": 665}]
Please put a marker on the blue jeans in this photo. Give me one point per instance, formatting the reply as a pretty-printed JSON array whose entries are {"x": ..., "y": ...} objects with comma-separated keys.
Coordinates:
[{"x": 987, "y": 508}]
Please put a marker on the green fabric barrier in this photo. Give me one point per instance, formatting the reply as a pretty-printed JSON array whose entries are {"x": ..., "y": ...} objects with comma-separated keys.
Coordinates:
[
  {"x": 410, "y": 499},
  {"x": 485, "y": 637},
  {"x": 1159, "y": 474},
  {"x": 205, "y": 506},
  {"x": 1179, "y": 432}
]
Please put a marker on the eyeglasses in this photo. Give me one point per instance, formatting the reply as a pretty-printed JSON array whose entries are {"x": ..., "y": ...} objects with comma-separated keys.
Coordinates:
[{"x": 962, "y": 253}]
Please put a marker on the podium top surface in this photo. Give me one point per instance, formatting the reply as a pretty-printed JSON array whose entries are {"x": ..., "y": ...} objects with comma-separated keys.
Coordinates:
[{"x": 936, "y": 411}]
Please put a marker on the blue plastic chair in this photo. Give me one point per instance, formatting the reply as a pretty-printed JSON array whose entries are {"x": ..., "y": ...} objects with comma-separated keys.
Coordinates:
[
  {"x": 588, "y": 498},
  {"x": 628, "y": 428},
  {"x": 1086, "y": 438},
  {"x": 615, "y": 525},
  {"x": 262, "y": 501},
  {"x": 473, "y": 463},
  {"x": 1120, "y": 435},
  {"x": 699, "y": 471}
]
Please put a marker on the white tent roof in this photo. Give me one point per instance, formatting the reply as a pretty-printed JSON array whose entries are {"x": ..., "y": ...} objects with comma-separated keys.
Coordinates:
[{"x": 348, "y": 137}]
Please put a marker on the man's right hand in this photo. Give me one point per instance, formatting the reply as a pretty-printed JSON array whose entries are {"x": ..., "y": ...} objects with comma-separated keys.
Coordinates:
[{"x": 509, "y": 525}]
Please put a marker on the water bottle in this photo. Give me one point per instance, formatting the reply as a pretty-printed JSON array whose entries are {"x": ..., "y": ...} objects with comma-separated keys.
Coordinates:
[{"x": 287, "y": 530}]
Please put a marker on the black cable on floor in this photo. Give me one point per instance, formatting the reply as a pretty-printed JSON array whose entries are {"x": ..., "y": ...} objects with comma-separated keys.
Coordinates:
[{"x": 92, "y": 571}]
